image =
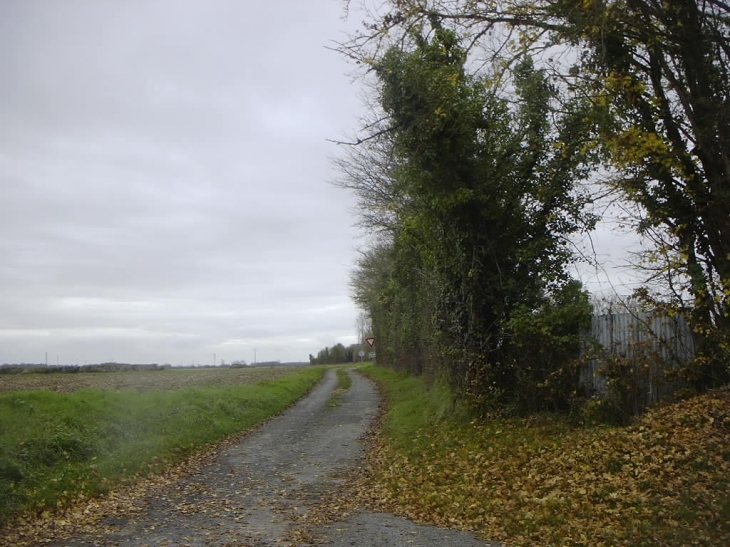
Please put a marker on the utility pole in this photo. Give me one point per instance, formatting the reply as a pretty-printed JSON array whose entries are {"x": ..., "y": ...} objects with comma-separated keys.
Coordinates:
[{"x": 254, "y": 356}]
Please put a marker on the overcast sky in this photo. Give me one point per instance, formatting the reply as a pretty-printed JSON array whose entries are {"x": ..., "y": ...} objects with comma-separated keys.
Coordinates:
[{"x": 164, "y": 180}]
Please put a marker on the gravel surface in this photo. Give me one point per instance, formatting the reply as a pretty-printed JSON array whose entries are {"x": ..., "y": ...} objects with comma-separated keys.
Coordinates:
[{"x": 260, "y": 491}]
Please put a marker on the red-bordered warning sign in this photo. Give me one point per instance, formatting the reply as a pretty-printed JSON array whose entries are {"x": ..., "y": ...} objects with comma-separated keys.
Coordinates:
[{"x": 370, "y": 341}]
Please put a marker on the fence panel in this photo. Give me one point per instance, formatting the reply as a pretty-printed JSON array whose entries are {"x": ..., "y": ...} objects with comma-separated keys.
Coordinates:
[{"x": 648, "y": 346}]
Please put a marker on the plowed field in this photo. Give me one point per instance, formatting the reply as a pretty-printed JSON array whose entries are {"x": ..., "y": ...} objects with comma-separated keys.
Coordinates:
[{"x": 169, "y": 379}]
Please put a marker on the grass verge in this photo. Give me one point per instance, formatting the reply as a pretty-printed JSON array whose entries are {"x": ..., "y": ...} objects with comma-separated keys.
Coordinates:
[
  {"x": 543, "y": 481},
  {"x": 55, "y": 447}
]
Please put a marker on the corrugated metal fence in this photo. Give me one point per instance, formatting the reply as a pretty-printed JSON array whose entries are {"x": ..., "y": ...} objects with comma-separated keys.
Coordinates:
[{"x": 643, "y": 347}]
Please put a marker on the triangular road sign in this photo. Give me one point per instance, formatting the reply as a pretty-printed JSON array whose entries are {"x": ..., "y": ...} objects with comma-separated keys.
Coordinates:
[{"x": 370, "y": 341}]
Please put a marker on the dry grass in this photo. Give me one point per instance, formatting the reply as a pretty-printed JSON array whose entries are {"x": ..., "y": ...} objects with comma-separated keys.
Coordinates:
[{"x": 146, "y": 380}]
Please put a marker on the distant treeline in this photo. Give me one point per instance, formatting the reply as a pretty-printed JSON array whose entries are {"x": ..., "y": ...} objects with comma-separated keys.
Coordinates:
[
  {"x": 335, "y": 355},
  {"x": 103, "y": 367},
  {"x": 30, "y": 368}
]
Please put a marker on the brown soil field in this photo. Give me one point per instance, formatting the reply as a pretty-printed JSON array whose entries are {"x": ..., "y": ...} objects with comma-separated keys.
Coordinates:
[{"x": 170, "y": 379}]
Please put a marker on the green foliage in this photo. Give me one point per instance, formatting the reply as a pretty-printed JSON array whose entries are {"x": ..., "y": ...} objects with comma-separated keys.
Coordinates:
[
  {"x": 486, "y": 202},
  {"x": 648, "y": 85},
  {"x": 56, "y": 446},
  {"x": 546, "y": 349},
  {"x": 335, "y": 355}
]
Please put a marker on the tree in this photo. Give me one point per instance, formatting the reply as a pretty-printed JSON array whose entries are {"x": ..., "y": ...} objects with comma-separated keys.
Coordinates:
[
  {"x": 335, "y": 355},
  {"x": 664, "y": 69},
  {"x": 364, "y": 328},
  {"x": 486, "y": 200},
  {"x": 655, "y": 75}
]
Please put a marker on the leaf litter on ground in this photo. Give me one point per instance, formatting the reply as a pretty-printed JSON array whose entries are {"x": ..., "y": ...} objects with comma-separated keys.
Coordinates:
[{"x": 664, "y": 481}]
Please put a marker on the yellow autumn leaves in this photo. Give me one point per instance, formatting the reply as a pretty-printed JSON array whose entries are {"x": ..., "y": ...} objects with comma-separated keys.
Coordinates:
[{"x": 542, "y": 482}]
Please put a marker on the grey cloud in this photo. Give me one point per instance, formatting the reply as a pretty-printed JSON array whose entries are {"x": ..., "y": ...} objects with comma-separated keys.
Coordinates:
[{"x": 163, "y": 179}]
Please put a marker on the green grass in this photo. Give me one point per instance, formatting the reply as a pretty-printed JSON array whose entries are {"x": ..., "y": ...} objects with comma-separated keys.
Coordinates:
[
  {"x": 543, "y": 480},
  {"x": 56, "y": 446},
  {"x": 344, "y": 382},
  {"x": 413, "y": 406}
]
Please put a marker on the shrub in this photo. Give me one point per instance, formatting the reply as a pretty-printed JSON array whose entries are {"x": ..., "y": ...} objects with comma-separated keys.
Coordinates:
[{"x": 544, "y": 349}]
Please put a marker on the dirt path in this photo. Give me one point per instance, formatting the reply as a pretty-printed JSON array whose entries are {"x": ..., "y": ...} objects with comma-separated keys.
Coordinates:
[{"x": 259, "y": 491}]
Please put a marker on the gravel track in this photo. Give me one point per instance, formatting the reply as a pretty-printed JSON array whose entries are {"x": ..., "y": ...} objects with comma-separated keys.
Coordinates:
[{"x": 259, "y": 491}]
